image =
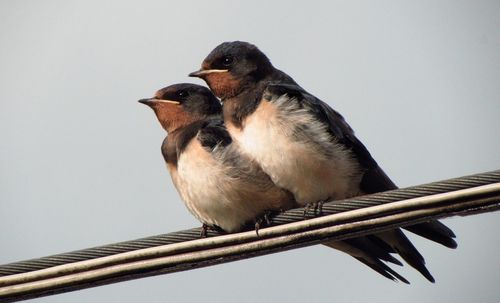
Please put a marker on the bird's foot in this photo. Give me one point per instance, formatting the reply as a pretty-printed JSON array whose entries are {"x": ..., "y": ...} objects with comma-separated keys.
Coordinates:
[
  {"x": 204, "y": 229},
  {"x": 262, "y": 221},
  {"x": 316, "y": 206}
]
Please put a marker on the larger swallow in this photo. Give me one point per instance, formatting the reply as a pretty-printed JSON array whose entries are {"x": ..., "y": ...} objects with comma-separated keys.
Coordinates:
[
  {"x": 220, "y": 186},
  {"x": 303, "y": 144}
]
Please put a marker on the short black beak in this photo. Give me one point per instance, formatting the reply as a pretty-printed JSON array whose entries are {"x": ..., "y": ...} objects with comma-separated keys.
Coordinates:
[
  {"x": 148, "y": 101},
  {"x": 203, "y": 72},
  {"x": 197, "y": 73}
]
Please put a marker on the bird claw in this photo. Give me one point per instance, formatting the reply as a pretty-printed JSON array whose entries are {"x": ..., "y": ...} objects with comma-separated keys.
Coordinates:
[
  {"x": 203, "y": 232},
  {"x": 317, "y": 206},
  {"x": 264, "y": 220},
  {"x": 257, "y": 227}
]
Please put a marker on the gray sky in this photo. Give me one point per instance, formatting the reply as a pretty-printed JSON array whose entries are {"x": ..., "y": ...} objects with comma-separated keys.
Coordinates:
[{"x": 80, "y": 161}]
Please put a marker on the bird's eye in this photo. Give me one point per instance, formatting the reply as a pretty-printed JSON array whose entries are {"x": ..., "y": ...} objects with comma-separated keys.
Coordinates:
[
  {"x": 227, "y": 61},
  {"x": 182, "y": 94}
]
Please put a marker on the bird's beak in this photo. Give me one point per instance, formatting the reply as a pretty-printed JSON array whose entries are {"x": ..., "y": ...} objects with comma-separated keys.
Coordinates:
[
  {"x": 202, "y": 72},
  {"x": 148, "y": 101},
  {"x": 151, "y": 102}
]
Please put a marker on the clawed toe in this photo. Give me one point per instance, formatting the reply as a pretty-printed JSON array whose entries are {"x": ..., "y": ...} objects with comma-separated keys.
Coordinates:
[
  {"x": 264, "y": 220},
  {"x": 204, "y": 229},
  {"x": 316, "y": 206}
]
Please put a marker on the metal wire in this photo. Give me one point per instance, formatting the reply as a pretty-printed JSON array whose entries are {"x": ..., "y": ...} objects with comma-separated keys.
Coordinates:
[
  {"x": 286, "y": 217},
  {"x": 231, "y": 247},
  {"x": 479, "y": 197}
]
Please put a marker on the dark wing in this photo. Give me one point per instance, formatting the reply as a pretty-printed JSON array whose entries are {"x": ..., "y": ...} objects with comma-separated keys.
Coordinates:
[
  {"x": 169, "y": 153},
  {"x": 213, "y": 133},
  {"x": 175, "y": 143},
  {"x": 374, "y": 180}
]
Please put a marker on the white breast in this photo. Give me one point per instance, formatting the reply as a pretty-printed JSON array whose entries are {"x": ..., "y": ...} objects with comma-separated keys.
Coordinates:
[
  {"x": 313, "y": 170},
  {"x": 218, "y": 193}
]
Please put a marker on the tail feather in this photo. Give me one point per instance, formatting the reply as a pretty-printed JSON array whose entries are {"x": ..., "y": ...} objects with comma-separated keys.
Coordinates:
[
  {"x": 383, "y": 269},
  {"x": 376, "y": 249},
  {"x": 407, "y": 251},
  {"x": 371, "y": 254},
  {"x": 376, "y": 180},
  {"x": 381, "y": 244},
  {"x": 435, "y": 231},
  {"x": 394, "y": 241}
]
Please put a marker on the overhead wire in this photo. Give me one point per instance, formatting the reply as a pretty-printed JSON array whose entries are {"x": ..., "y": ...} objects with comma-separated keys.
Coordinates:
[{"x": 185, "y": 250}]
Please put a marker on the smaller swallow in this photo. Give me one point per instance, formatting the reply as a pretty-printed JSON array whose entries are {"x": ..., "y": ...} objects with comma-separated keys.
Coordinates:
[{"x": 220, "y": 186}]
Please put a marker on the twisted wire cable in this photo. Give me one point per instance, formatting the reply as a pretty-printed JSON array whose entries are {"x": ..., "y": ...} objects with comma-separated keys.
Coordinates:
[
  {"x": 184, "y": 250},
  {"x": 283, "y": 218}
]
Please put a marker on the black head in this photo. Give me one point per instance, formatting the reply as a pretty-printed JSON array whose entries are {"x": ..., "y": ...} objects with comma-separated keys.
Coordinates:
[
  {"x": 232, "y": 65},
  {"x": 181, "y": 104}
]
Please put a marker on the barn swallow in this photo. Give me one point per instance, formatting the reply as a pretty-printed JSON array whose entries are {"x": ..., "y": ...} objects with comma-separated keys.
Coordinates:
[
  {"x": 220, "y": 186},
  {"x": 303, "y": 144}
]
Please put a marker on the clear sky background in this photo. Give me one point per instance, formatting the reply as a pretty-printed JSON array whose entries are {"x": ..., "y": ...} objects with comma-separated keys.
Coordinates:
[{"x": 80, "y": 161}]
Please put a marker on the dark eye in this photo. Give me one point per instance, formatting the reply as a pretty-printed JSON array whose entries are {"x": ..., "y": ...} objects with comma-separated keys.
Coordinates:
[
  {"x": 227, "y": 61},
  {"x": 182, "y": 94}
]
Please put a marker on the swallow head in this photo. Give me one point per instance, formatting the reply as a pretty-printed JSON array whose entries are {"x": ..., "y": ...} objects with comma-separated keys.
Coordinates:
[
  {"x": 181, "y": 104},
  {"x": 231, "y": 66}
]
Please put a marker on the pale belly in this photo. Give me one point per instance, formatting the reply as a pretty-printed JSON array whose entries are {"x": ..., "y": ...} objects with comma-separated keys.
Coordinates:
[
  {"x": 216, "y": 195},
  {"x": 294, "y": 165}
]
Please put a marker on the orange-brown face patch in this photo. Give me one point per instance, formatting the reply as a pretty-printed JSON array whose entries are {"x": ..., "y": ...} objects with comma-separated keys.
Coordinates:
[
  {"x": 172, "y": 116},
  {"x": 223, "y": 85}
]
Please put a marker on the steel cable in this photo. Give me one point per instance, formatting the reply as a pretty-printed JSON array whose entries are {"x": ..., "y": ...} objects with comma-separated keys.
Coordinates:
[{"x": 285, "y": 217}]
